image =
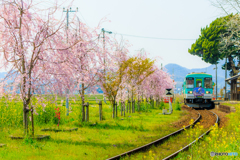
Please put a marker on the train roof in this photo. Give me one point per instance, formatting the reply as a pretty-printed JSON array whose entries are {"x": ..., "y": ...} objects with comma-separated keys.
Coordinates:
[{"x": 201, "y": 74}]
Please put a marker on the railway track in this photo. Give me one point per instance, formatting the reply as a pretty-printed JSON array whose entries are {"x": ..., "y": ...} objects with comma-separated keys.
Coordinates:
[
  {"x": 204, "y": 121},
  {"x": 187, "y": 146}
]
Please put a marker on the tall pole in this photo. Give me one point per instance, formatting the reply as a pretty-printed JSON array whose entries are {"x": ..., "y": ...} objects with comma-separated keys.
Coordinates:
[
  {"x": 216, "y": 81},
  {"x": 104, "y": 51},
  {"x": 67, "y": 103},
  {"x": 109, "y": 32},
  {"x": 68, "y": 17},
  {"x": 225, "y": 96},
  {"x": 174, "y": 88}
]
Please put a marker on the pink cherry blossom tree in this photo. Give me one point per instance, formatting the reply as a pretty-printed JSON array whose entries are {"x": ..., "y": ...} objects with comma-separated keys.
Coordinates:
[
  {"x": 84, "y": 62},
  {"x": 113, "y": 76},
  {"x": 31, "y": 46}
]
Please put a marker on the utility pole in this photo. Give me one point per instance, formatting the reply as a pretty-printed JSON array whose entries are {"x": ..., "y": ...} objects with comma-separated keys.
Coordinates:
[
  {"x": 68, "y": 17},
  {"x": 67, "y": 103},
  {"x": 225, "y": 95},
  {"x": 174, "y": 88},
  {"x": 109, "y": 32},
  {"x": 104, "y": 54},
  {"x": 216, "y": 82}
]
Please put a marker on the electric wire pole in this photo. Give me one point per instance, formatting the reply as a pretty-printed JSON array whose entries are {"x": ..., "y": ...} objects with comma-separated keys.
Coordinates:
[
  {"x": 109, "y": 32},
  {"x": 68, "y": 17},
  {"x": 225, "y": 96},
  {"x": 216, "y": 80},
  {"x": 67, "y": 103}
]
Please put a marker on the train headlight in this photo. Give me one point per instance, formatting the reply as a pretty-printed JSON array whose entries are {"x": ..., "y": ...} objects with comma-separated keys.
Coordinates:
[
  {"x": 207, "y": 92},
  {"x": 190, "y": 92}
]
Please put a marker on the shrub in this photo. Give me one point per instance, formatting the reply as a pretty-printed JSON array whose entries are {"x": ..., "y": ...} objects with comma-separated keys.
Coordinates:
[
  {"x": 177, "y": 106},
  {"x": 161, "y": 105}
]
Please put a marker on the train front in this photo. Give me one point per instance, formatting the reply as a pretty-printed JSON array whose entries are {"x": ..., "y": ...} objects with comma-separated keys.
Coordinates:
[{"x": 198, "y": 90}]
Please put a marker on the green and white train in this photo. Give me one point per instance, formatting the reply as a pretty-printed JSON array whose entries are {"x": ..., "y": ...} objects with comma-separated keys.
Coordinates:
[{"x": 198, "y": 90}]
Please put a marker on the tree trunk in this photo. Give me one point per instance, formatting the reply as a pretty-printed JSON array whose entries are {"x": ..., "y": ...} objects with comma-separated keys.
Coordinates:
[
  {"x": 83, "y": 110},
  {"x": 127, "y": 106},
  {"x": 133, "y": 106},
  {"x": 116, "y": 109},
  {"x": 132, "y": 101},
  {"x": 128, "y": 103},
  {"x": 32, "y": 121},
  {"x": 138, "y": 99},
  {"x": 100, "y": 110},
  {"x": 235, "y": 71},
  {"x": 138, "y": 105},
  {"x": 124, "y": 108},
  {"x": 25, "y": 115},
  {"x": 121, "y": 107},
  {"x": 146, "y": 102},
  {"x": 113, "y": 111}
]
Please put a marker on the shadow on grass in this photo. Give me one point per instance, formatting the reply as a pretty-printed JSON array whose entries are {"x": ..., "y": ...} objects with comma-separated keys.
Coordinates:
[
  {"x": 116, "y": 126},
  {"x": 95, "y": 144}
]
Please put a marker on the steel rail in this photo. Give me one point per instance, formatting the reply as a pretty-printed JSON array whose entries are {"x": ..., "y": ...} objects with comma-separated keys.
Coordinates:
[
  {"x": 187, "y": 146},
  {"x": 158, "y": 141}
]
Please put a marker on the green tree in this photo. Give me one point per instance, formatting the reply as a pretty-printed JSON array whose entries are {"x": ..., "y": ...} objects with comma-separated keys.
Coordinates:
[
  {"x": 229, "y": 44},
  {"x": 139, "y": 68},
  {"x": 208, "y": 45},
  {"x": 221, "y": 92}
]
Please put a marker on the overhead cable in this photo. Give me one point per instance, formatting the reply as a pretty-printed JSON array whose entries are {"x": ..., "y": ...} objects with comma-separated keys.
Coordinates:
[{"x": 156, "y": 37}]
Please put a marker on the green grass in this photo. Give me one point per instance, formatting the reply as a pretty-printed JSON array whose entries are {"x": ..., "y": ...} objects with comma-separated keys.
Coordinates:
[{"x": 100, "y": 141}]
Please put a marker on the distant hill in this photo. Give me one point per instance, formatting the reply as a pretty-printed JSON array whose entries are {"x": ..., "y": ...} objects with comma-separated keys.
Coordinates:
[
  {"x": 99, "y": 90},
  {"x": 178, "y": 73}
]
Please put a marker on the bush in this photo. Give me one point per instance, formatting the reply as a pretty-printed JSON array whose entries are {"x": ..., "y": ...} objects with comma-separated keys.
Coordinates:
[
  {"x": 145, "y": 107},
  {"x": 161, "y": 105},
  {"x": 177, "y": 106}
]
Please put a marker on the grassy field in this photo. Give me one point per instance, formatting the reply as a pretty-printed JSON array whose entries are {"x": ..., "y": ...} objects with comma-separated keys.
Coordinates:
[{"x": 99, "y": 141}]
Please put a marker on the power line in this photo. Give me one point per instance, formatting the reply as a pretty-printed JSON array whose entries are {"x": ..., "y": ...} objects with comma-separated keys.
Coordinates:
[{"x": 156, "y": 37}]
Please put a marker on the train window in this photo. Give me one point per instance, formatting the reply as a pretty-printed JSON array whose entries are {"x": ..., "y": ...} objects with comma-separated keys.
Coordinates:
[
  {"x": 207, "y": 82},
  {"x": 189, "y": 82},
  {"x": 199, "y": 83}
]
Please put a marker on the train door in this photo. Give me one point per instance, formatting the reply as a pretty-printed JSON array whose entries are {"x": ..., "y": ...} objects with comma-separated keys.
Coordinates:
[{"x": 199, "y": 82}]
